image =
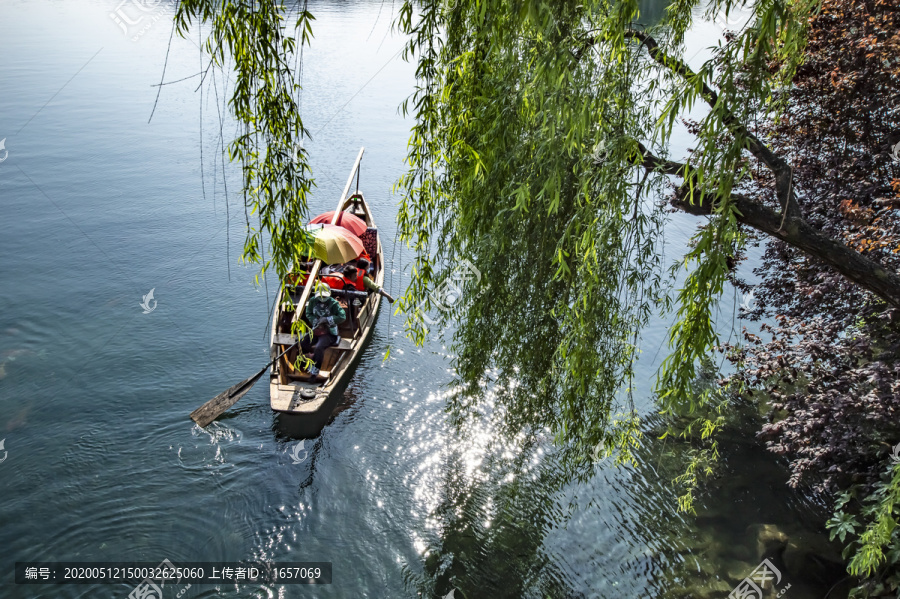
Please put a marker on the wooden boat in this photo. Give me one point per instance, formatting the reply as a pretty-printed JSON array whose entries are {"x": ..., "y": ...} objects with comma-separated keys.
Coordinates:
[{"x": 293, "y": 391}]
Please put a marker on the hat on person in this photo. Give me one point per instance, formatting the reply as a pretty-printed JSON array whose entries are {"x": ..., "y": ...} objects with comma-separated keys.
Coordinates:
[{"x": 323, "y": 290}]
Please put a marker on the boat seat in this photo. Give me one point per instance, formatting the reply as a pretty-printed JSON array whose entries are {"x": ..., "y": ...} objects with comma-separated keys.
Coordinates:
[
  {"x": 284, "y": 339},
  {"x": 333, "y": 353},
  {"x": 346, "y": 328},
  {"x": 344, "y": 345}
]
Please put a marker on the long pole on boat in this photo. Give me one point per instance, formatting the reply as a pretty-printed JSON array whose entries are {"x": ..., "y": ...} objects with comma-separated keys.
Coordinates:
[
  {"x": 224, "y": 400},
  {"x": 298, "y": 314}
]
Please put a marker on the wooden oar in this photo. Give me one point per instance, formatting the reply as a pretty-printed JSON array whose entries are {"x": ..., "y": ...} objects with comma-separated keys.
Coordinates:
[{"x": 224, "y": 400}]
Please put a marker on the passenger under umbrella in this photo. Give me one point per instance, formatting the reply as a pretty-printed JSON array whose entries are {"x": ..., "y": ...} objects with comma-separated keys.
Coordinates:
[{"x": 361, "y": 281}]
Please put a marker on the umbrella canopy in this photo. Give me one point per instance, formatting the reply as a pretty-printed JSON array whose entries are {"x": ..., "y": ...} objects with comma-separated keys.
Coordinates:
[
  {"x": 335, "y": 245},
  {"x": 352, "y": 223}
]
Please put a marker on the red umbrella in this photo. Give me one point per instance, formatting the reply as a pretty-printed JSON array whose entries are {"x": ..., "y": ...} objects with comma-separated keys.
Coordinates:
[{"x": 352, "y": 223}]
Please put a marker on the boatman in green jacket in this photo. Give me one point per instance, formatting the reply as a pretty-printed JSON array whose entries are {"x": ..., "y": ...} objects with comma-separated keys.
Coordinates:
[{"x": 324, "y": 314}]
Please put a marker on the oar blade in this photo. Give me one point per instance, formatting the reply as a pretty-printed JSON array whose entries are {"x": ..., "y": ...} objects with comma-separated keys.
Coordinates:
[{"x": 224, "y": 400}]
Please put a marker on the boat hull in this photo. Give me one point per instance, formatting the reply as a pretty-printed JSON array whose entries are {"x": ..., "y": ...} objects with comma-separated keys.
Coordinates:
[{"x": 316, "y": 400}]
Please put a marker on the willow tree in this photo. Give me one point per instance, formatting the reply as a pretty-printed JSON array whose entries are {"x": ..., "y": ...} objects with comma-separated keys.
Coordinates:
[{"x": 540, "y": 153}]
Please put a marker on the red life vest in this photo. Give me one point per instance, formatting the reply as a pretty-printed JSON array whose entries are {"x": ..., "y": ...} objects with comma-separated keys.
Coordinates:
[
  {"x": 338, "y": 282},
  {"x": 371, "y": 265},
  {"x": 358, "y": 283}
]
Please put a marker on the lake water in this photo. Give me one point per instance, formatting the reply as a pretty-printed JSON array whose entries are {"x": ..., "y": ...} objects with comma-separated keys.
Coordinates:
[{"x": 101, "y": 463}]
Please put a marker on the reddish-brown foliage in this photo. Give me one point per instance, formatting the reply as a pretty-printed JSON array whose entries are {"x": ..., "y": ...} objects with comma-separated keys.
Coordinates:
[{"x": 832, "y": 368}]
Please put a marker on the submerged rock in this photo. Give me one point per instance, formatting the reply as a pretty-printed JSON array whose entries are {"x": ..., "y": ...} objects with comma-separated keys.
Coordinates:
[
  {"x": 737, "y": 570},
  {"x": 770, "y": 540}
]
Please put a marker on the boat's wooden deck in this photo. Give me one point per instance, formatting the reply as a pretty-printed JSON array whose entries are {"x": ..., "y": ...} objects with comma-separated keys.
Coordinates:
[{"x": 287, "y": 398}]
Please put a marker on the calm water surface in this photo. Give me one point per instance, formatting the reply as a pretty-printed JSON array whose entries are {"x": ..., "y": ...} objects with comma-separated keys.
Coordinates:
[{"x": 98, "y": 207}]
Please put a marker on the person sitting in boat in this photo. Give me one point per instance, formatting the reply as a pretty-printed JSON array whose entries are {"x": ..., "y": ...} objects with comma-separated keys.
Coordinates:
[
  {"x": 324, "y": 314},
  {"x": 361, "y": 281},
  {"x": 365, "y": 264}
]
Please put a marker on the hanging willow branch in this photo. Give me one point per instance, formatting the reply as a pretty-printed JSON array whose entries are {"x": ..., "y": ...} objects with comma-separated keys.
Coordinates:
[{"x": 250, "y": 39}]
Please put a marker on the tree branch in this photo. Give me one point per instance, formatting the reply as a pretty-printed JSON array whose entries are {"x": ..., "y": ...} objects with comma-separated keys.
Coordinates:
[
  {"x": 654, "y": 163},
  {"x": 789, "y": 226},
  {"x": 780, "y": 168},
  {"x": 796, "y": 232}
]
